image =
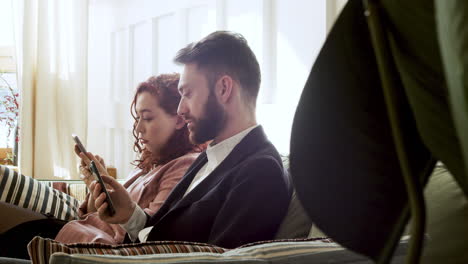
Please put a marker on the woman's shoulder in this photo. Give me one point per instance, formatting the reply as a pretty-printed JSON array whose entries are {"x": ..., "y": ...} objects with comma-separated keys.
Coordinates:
[
  {"x": 183, "y": 160},
  {"x": 175, "y": 166}
]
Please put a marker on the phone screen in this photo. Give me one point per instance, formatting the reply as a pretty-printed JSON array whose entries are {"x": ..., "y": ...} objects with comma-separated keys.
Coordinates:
[
  {"x": 78, "y": 143},
  {"x": 111, "y": 209}
]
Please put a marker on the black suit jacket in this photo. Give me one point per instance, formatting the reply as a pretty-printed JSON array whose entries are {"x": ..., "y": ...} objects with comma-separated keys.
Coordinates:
[{"x": 243, "y": 200}]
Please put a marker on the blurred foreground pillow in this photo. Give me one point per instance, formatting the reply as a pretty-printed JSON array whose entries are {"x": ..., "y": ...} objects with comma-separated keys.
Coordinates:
[{"x": 447, "y": 220}]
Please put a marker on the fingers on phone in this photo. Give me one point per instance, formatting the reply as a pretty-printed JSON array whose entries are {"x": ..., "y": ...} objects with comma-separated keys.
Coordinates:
[
  {"x": 99, "y": 166},
  {"x": 101, "y": 160},
  {"x": 103, "y": 209},
  {"x": 77, "y": 150},
  {"x": 111, "y": 182},
  {"x": 95, "y": 188},
  {"x": 85, "y": 159},
  {"x": 95, "y": 159},
  {"x": 102, "y": 205},
  {"x": 100, "y": 200},
  {"x": 92, "y": 157}
]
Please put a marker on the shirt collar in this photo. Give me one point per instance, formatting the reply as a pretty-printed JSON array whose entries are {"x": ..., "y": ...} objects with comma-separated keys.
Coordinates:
[{"x": 217, "y": 153}]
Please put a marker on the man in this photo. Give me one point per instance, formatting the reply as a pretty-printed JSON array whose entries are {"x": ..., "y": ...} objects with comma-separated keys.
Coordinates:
[{"x": 234, "y": 193}]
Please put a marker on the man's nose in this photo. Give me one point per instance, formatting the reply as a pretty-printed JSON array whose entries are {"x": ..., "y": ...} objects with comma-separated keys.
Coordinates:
[{"x": 181, "y": 109}]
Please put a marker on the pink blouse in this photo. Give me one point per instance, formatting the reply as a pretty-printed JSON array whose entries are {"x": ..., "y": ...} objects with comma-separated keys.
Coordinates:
[{"x": 149, "y": 191}]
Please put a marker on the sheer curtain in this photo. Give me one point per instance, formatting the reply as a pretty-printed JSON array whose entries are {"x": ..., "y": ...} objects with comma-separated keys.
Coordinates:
[{"x": 52, "y": 46}]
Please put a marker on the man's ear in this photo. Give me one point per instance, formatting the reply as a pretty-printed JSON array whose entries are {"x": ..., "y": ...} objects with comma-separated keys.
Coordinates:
[
  {"x": 180, "y": 123},
  {"x": 224, "y": 88}
]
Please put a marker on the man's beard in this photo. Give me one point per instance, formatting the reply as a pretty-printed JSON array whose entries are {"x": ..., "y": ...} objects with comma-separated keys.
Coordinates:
[{"x": 210, "y": 125}]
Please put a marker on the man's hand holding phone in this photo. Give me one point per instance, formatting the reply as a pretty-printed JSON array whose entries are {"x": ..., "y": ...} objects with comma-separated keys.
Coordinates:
[
  {"x": 97, "y": 175},
  {"x": 122, "y": 203}
]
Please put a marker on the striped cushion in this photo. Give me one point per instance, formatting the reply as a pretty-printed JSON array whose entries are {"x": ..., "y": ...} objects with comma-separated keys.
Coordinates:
[
  {"x": 40, "y": 249},
  {"x": 276, "y": 252},
  {"x": 29, "y": 193},
  {"x": 298, "y": 252}
]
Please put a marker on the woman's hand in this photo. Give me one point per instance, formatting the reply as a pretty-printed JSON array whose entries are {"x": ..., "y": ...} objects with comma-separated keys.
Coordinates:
[
  {"x": 121, "y": 200},
  {"x": 86, "y": 174}
]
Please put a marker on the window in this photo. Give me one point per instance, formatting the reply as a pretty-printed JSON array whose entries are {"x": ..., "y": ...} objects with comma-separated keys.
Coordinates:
[
  {"x": 9, "y": 94},
  {"x": 9, "y": 110}
]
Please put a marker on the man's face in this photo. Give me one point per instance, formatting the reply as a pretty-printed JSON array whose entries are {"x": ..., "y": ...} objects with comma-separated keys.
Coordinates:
[{"x": 198, "y": 105}]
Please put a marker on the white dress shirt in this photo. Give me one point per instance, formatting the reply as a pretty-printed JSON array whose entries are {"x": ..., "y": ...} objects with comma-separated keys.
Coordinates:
[{"x": 215, "y": 155}]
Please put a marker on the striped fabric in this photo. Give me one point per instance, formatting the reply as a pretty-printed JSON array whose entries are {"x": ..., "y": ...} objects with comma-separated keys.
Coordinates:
[
  {"x": 40, "y": 249},
  {"x": 299, "y": 252},
  {"x": 304, "y": 251},
  {"x": 29, "y": 193}
]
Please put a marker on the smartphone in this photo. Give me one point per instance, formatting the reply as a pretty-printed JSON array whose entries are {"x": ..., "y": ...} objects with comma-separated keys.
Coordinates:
[
  {"x": 97, "y": 175},
  {"x": 79, "y": 144}
]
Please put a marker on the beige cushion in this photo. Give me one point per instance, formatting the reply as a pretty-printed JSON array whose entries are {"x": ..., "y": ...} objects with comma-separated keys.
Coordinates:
[
  {"x": 296, "y": 223},
  {"x": 315, "y": 232},
  {"x": 447, "y": 220}
]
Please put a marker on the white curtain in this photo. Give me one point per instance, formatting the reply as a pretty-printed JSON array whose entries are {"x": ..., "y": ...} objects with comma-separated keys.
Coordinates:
[{"x": 51, "y": 40}]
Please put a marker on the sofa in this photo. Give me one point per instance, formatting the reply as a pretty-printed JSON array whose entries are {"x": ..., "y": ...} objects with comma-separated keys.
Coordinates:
[
  {"x": 445, "y": 204},
  {"x": 296, "y": 240}
]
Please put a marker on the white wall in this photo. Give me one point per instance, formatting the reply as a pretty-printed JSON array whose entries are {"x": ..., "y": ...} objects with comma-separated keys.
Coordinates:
[
  {"x": 133, "y": 39},
  {"x": 300, "y": 30}
]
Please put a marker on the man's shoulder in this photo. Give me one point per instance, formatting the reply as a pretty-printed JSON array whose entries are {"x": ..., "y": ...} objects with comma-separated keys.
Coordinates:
[
  {"x": 264, "y": 149},
  {"x": 264, "y": 160},
  {"x": 256, "y": 143}
]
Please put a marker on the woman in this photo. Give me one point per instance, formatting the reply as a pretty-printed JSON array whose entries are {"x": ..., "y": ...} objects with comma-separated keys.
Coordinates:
[
  {"x": 161, "y": 136},
  {"x": 165, "y": 153}
]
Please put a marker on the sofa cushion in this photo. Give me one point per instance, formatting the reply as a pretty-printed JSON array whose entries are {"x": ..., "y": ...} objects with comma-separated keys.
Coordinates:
[
  {"x": 290, "y": 251},
  {"x": 296, "y": 223},
  {"x": 447, "y": 218},
  {"x": 29, "y": 193},
  {"x": 315, "y": 232},
  {"x": 40, "y": 249}
]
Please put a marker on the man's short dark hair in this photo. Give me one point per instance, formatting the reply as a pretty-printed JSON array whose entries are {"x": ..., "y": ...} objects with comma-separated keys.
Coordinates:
[{"x": 224, "y": 52}]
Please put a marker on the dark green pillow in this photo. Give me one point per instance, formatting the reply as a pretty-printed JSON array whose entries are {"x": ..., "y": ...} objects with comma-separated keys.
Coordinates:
[{"x": 447, "y": 220}]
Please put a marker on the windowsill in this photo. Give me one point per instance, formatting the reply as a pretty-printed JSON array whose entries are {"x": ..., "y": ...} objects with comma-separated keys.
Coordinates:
[
  {"x": 111, "y": 171},
  {"x": 11, "y": 167}
]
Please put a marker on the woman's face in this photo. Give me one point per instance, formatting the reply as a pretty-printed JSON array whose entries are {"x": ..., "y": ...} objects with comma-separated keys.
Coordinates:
[{"x": 155, "y": 126}]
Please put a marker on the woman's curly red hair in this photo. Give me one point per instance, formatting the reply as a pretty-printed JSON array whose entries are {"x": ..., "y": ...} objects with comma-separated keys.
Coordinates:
[{"x": 164, "y": 88}]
